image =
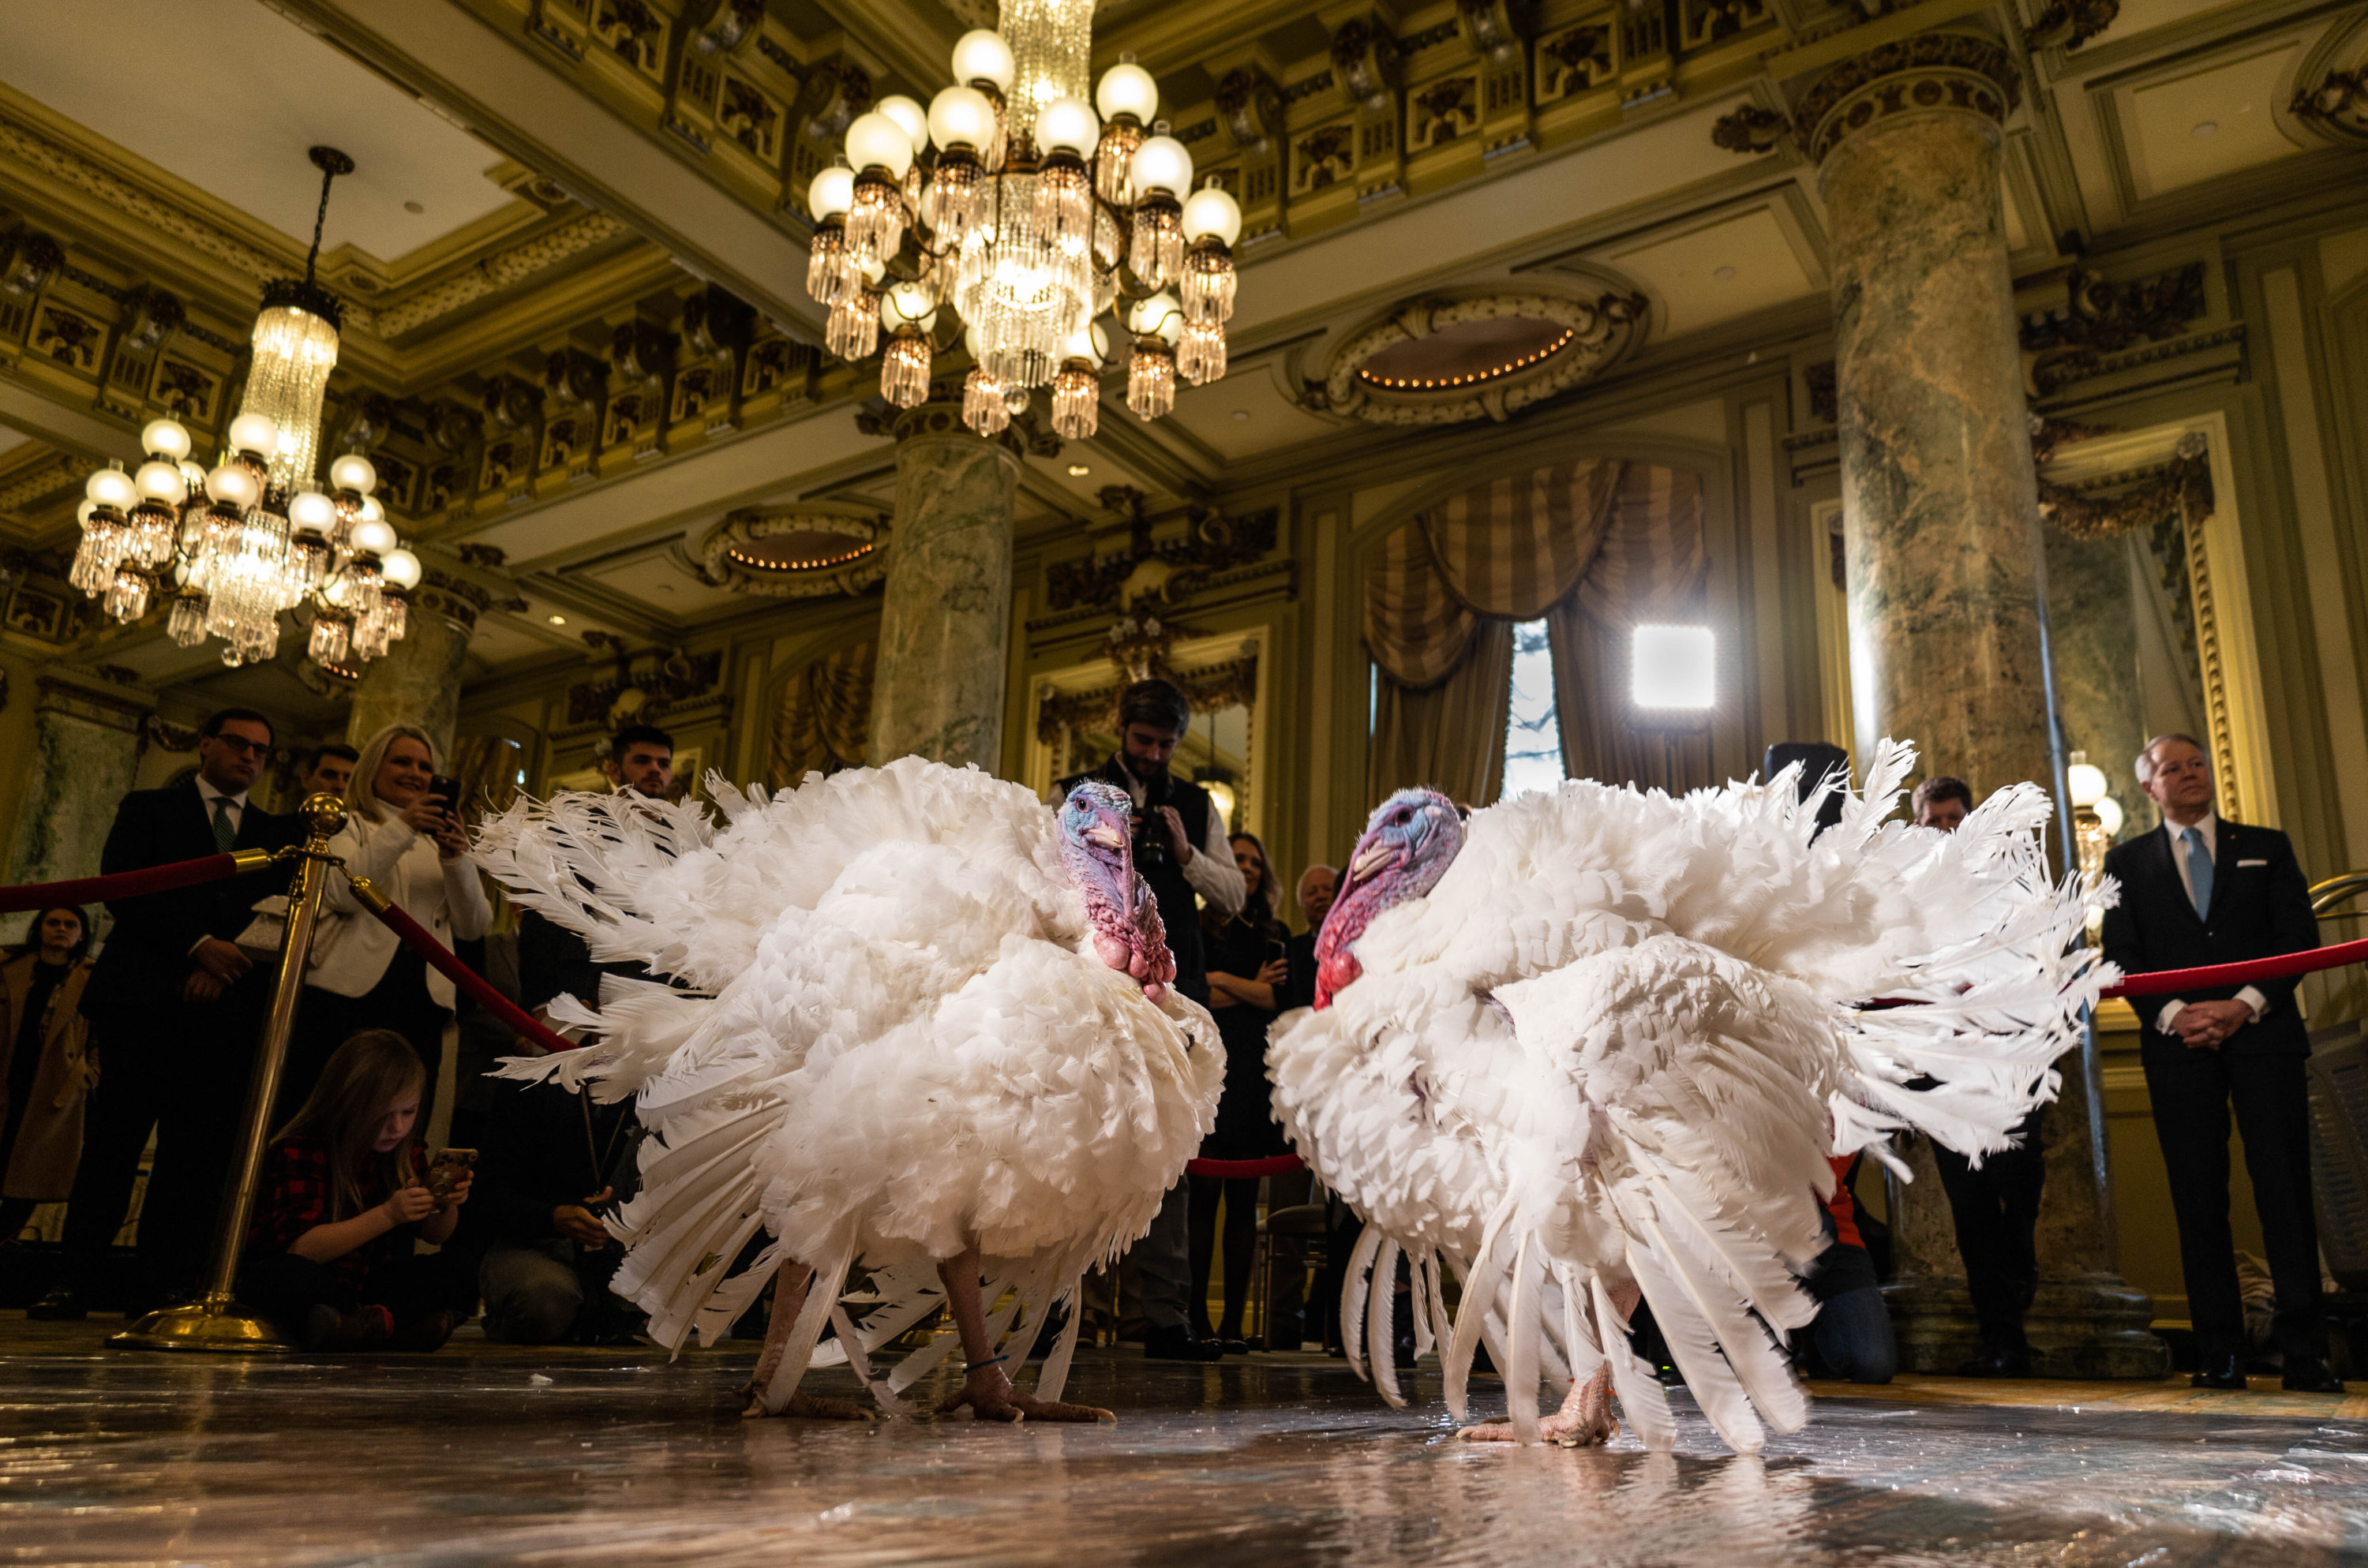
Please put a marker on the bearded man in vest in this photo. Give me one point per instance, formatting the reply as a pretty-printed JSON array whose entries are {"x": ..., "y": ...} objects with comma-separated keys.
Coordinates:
[{"x": 1181, "y": 851}]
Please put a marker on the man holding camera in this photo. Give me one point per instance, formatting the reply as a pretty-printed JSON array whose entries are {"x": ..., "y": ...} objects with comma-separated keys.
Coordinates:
[
  {"x": 556, "y": 1163},
  {"x": 1180, "y": 849}
]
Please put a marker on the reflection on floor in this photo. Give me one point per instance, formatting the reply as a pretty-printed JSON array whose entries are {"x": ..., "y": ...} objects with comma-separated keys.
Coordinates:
[{"x": 481, "y": 1454}]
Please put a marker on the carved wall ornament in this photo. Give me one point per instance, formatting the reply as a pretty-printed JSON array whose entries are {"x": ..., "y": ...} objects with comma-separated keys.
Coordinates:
[
  {"x": 1488, "y": 366},
  {"x": 1750, "y": 129},
  {"x": 27, "y": 260},
  {"x": 1928, "y": 72},
  {"x": 1249, "y": 106},
  {"x": 2114, "y": 506},
  {"x": 1145, "y": 644},
  {"x": 809, "y": 550},
  {"x": 1442, "y": 111},
  {"x": 2068, "y": 24},
  {"x": 1365, "y": 63},
  {"x": 1573, "y": 61},
  {"x": 2100, "y": 317},
  {"x": 2337, "y": 108},
  {"x": 1825, "y": 398},
  {"x": 642, "y": 687},
  {"x": 1162, "y": 564}
]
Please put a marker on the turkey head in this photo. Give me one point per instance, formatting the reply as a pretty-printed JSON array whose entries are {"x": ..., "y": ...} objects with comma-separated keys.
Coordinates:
[
  {"x": 1409, "y": 842},
  {"x": 1098, "y": 850}
]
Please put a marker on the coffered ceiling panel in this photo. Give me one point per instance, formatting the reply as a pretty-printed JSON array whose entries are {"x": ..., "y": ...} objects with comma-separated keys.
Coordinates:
[
  {"x": 665, "y": 589},
  {"x": 2218, "y": 121},
  {"x": 1247, "y": 412},
  {"x": 240, "y": 93},
  {"x": 1703, "y": 276}
]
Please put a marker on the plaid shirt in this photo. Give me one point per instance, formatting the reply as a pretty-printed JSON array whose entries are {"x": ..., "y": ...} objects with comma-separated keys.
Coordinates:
[{"x": 299, "y": 1194}]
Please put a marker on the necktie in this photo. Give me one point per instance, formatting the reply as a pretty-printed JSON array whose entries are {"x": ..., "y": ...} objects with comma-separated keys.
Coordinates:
[
  {"x": 2199, "y": 873},
  {"x": 225, "y": 831}
]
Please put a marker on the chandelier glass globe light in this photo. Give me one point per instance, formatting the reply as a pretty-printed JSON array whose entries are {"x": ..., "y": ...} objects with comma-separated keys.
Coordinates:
[
  {"x": 1021, "y": 209},
  {"x": 232, "y": 549}
]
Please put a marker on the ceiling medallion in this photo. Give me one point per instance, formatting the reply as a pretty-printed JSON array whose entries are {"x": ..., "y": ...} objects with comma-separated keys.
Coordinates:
[
  {"x": 1012, "y": 213},
  {"x": 796, "y": 552},
  {"x": 1445, "y": 361}
]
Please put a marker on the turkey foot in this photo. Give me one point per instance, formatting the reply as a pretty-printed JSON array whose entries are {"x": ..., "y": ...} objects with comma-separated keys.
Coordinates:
[
  {"x": 790, "y": 1298},
  {"x": 1584, "y": 1421},
  {"x": 986, "y": 1390}
]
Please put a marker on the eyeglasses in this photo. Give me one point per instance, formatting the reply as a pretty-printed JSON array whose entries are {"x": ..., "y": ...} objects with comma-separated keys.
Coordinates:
[{"x": 240, "y": 745}]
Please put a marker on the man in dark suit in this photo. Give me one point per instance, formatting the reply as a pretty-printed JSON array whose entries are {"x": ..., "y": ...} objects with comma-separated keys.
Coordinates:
[
  {"x": 175, "y": 1008},
  {"x": 2201, "y": 889}
]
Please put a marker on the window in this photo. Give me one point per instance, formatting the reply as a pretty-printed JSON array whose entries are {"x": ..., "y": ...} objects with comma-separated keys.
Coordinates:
[{"x": 1533, "y": 731}]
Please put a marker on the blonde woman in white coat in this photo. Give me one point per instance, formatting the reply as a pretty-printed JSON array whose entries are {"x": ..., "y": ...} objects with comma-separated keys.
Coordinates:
[{"x": 416, "y": 853}]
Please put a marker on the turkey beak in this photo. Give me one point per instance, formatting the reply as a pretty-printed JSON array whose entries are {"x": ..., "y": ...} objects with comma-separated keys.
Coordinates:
[
  {"x": 1107, "y": 836},
  {"x": 1372, "y": 861}
]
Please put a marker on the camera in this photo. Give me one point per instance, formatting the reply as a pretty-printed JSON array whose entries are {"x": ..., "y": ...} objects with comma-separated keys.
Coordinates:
[{"x": 1149, "y": 831}]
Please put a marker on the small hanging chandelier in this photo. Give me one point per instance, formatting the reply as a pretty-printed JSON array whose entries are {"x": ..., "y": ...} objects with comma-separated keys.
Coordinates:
[
  {"x": 1029, "y": 211},
  {"x": 295, "y": 348},
  {"x": 233, "y": 549}
]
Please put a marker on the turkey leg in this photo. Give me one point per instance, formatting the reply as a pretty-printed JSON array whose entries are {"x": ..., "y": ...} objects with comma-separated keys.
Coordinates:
[
  {"x": 1585, "y": 1419},
  {"x": 789, "y": 1299},
  {"x": 986, "y": 1389}
]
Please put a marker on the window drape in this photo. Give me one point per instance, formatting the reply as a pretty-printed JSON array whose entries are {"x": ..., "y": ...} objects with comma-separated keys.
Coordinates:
[{"x": 1597, "y": 547}]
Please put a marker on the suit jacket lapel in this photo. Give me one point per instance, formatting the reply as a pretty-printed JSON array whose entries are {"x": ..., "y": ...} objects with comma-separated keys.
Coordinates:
[{"x": 192, "y": 811}]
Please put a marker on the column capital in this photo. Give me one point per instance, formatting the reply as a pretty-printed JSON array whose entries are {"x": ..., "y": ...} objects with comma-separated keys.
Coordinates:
[
  {"x": 1937, "y": 73},
  {"x": 92, "y": 698},
  {"x": 941, "y": 416}
]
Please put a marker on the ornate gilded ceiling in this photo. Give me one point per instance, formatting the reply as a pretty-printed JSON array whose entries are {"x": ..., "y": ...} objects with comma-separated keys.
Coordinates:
[{"x": 590, "y": 344}]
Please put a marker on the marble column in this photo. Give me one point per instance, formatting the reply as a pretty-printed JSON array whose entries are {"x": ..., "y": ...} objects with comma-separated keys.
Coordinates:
[
  {"x": 2093, "y": 649},
  {"x": 1947, "y": 582},
  {"x": 418, "y": 681},
  {"x": 945, "y": 619},
  {"x": 87, "y": 745}
]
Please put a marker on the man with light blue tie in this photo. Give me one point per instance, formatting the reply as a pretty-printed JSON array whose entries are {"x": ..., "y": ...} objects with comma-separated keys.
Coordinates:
[{"x": 2202, "y": 889}]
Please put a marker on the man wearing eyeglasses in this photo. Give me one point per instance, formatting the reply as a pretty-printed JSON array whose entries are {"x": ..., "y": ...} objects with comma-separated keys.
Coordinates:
[{"x": 176, "y": 1007}]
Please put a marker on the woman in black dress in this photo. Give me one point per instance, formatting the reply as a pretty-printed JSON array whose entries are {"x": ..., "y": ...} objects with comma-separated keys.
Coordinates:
[{"x": 1245, "y": 965}]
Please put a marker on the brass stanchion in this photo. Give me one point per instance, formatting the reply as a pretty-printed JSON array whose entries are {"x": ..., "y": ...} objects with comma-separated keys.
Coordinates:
[{"x": 217, "y": 1322}]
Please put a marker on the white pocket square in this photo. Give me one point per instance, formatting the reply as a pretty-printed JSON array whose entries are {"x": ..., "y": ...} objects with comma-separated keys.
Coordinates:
[{"x": 2242, "y": 864}]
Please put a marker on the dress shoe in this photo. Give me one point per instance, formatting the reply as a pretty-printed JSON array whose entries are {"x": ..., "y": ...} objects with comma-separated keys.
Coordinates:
[
  {"x": 2309, "y": 1375},
  {"x": 1232, "y": 1346},
  {"x": 1997, "y": 1362},
  {"x": 2219, "y": 1372},
  {"x": 1178, "y": 1343},
  {"x": 64, "y": 1304}
]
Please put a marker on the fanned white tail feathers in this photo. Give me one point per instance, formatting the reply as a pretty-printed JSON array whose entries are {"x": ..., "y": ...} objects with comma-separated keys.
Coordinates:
[
  {"x": 1612, "y": 1047},
  {"x": 888, "y": 1038}
]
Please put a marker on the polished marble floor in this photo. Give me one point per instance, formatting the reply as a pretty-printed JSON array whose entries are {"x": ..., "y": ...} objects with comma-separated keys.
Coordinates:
[{"x": 484, "y": 1455}]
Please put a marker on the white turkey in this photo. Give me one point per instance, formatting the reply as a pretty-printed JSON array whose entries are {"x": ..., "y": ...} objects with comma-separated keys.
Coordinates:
[
  {"x": 921, "y": 1024},
  {"x": 1596, "y": 1044}
]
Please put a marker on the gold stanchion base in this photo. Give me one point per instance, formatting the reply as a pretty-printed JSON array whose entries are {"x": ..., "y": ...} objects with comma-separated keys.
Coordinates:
[{"x": 223, "y": 1328}]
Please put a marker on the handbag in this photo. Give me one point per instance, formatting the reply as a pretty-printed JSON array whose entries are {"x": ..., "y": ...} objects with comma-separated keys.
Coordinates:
[{"x": 266, "y": 934}]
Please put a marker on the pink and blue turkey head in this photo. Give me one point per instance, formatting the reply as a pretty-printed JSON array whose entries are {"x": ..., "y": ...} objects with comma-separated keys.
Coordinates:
[
  {"x": 1098, "y": 848},
  {"x": 1409, "y": 842}
]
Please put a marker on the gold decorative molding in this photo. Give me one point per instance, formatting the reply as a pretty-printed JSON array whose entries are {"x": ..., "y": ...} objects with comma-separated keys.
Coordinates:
[
  {"x": 1598, "y": 330},
  {"x": 501, "y": 270}
]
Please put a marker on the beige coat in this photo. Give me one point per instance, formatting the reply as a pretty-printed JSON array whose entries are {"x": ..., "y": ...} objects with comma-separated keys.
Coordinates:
[
  {"x": 49, "y": 1143},
  {"x": 446, "y": 896}
]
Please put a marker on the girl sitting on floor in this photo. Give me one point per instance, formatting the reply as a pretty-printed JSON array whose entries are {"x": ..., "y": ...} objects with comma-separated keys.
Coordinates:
[{"x": 329, "y": 1255}]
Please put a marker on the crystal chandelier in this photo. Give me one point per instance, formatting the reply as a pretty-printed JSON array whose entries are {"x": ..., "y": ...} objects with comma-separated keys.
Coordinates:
[
  {"x": 235, "y": 548},
  {"x": 1014, "y": 202},
  {"x": 295, "y": 348}
]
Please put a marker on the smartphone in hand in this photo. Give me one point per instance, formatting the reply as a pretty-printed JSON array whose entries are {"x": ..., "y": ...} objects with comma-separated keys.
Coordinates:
[
  {"x": 444, "y": 1171},
  {"x": 448, "y": 789}
]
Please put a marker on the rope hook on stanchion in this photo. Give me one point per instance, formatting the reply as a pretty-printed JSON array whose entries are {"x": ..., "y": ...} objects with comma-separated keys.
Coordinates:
[{"x": 216, "y": 1322}]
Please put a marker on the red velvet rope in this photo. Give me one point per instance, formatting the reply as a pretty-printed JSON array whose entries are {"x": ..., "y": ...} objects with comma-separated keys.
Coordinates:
[
  {"x": 468, "y": 979},
  {"x": 2283, "y": 965},
  {"x": 123, "y": 884},
  {"x": 1273, "y": 1165}
]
